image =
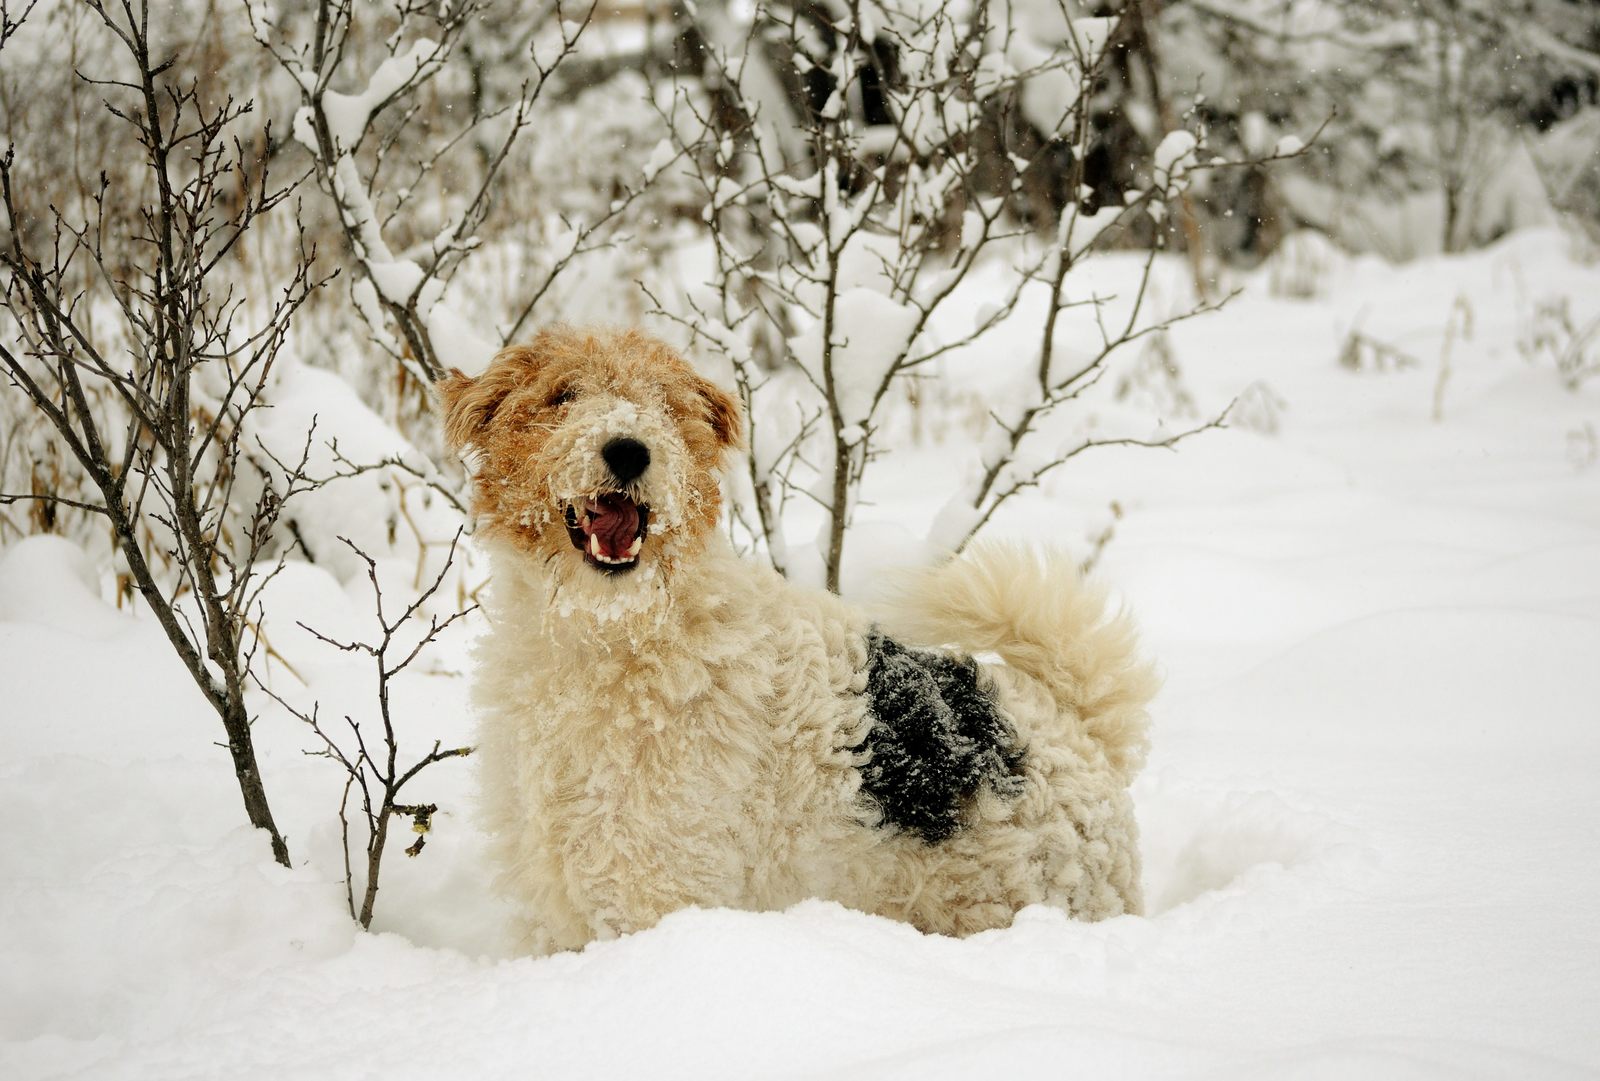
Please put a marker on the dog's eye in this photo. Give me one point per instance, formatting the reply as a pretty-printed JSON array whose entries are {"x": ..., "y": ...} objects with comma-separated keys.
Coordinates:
[{"x": 561, "y": 397}]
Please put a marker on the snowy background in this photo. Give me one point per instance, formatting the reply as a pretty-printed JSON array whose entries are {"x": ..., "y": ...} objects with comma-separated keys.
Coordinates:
[{"x": 1371, "y": 817}]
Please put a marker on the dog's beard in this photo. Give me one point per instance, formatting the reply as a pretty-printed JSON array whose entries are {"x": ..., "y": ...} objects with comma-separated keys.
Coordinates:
[{"x": 580, "y": 595}]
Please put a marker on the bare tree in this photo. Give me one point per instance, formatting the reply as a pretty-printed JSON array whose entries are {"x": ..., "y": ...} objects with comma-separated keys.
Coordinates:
[
  {"x": 851, "y": 237},
  {"x": 149, "y": 400},
  {"x": 375, "y": 770}
]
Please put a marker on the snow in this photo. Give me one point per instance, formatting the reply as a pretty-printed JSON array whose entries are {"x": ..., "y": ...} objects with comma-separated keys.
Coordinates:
[
  {"x": 928, "y": 119},
  {"x": 871, "y": 334},
  {"x": 778, "y": 140},
  {"x": 399, "y": 281},
  {"x": 1050, "y": 49},
  {"x": 51, "y": 582},
  {"x": 459, "y": 341},
  {"x": 1507, "y": 193},
  {"x": 365, "y": 297},
  {"x": 1288, "y": 145},
  {"x": 396, "y": 279},
  {"x": 1173, "y": 156},
  {"x": 662, "y": 156},
  {"x": 388, "y": 513},
  {"x": 1369, "y": 817},
  {"x": 349, "y": 114}
]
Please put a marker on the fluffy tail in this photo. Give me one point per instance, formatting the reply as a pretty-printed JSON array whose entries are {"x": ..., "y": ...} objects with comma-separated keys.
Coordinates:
[{"x": 1036, "y": 612}]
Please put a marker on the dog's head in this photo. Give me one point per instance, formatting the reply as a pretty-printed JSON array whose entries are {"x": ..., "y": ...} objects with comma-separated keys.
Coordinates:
[{"x": 595, "y": 452}]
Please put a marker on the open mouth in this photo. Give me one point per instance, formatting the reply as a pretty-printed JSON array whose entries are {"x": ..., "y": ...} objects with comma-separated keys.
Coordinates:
[{"x": 609, "y": 529}]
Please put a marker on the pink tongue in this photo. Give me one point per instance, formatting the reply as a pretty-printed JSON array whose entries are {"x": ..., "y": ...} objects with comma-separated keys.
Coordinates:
[{"x": 615, "y": 522}]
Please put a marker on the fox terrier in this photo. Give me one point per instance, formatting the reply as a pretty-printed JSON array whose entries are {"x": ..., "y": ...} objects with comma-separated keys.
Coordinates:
[{"x": 666, "y": 724}]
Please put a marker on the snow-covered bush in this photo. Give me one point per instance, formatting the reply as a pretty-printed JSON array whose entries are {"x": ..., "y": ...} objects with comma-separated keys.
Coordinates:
[
  {"x": 851, "y": 192},
  {"x": 1434, "y": 107},
  {"x": 379, "y": 155}
]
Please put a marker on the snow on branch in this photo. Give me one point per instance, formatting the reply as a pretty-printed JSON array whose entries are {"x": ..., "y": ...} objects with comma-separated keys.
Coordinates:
[{"x": 400, "y": 296}]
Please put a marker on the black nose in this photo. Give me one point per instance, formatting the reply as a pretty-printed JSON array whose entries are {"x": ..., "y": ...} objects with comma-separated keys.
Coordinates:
[{"x": 627, "y": 458}]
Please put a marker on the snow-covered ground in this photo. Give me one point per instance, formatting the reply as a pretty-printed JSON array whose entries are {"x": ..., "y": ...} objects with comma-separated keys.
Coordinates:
[{"x": 1372, "y": 816}]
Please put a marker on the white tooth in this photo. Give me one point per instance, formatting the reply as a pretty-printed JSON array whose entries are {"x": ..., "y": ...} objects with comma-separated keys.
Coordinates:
[
  {"x": 633, "y": 549},
  {"x": 594, "y": 545}
]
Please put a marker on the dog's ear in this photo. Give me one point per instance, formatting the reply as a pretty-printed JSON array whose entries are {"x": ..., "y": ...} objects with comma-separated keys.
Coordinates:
[
  {"x": 467, "y": 405},
  {"x": 722, "y": 410}
]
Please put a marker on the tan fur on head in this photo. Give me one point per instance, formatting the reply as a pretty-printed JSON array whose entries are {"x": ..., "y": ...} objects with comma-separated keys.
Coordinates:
[{"x": 534, "y": 426}]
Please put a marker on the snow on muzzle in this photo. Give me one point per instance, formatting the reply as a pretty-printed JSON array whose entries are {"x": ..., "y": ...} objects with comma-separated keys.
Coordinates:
[{"x": 609, "y": 530}]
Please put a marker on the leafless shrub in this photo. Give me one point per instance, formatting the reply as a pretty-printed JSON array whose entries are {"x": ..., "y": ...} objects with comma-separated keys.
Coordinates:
[
  {"x": 1100, "y": 539},
  {"x": 373, "y": 769},
  {"x": 145, "y": 370},
  {"x": 1258, "y": 408},
  {"x": 1571, "y": 346},
  {"x": 1457, "y": 325},
  {"x": 1583, "y": 446},
  {"x": 1362, "y": 352},
  {"x": 839, "y": 237}
]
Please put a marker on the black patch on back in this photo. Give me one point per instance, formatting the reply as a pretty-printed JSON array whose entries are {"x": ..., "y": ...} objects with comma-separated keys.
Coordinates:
[{"x": 936, "y": 736}]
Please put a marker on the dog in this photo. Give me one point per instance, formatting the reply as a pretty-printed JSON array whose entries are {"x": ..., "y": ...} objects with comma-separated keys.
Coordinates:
[{"x": 666, "y": 724}]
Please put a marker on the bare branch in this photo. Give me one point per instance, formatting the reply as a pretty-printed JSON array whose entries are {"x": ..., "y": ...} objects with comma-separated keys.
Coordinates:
[{"x": 380, "y": 778}]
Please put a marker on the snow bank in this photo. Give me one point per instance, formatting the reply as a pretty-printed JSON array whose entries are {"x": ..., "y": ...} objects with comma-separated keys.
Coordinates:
[
  {"x": 389, "y": 513},
  {"x": 48, "y": 581},
  {"x": 871, "y": 333}
]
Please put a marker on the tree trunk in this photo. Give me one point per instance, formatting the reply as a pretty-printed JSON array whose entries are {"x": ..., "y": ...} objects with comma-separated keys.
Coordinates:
[
  {"x": 375, "y": 843},
  {"x": 242, "y": 748}
]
